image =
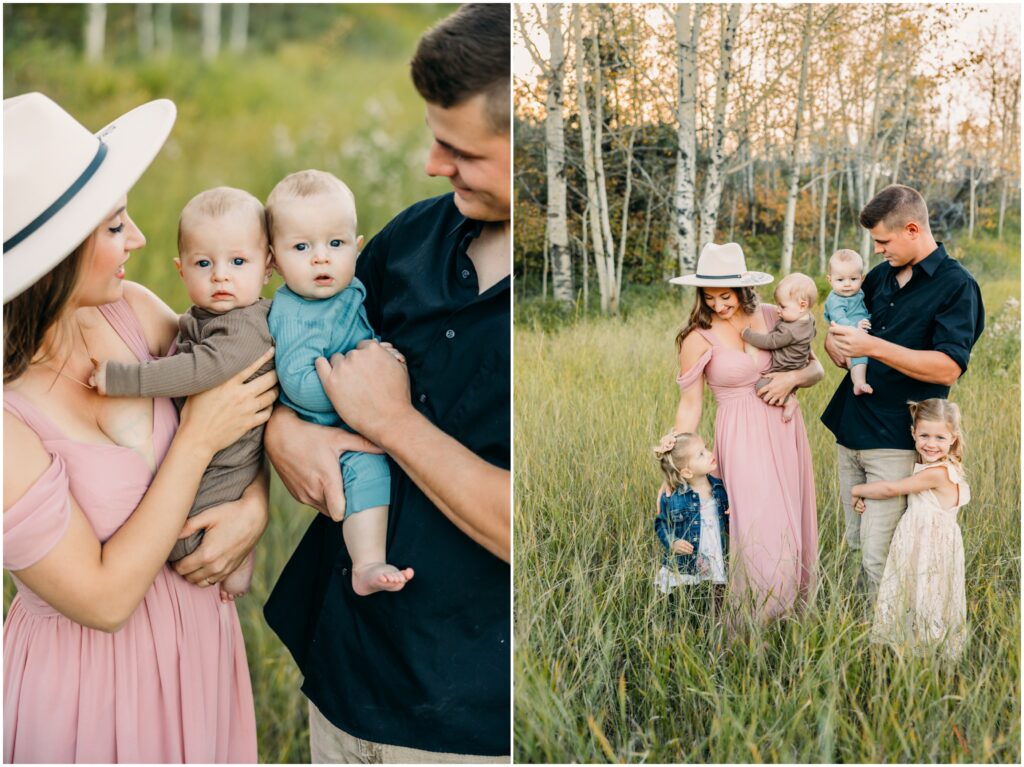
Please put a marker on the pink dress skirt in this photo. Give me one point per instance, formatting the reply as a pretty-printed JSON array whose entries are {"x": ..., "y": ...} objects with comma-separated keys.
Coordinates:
[
  {"x": 173, "y": 684},
  {"x": 766, "y": 467}
]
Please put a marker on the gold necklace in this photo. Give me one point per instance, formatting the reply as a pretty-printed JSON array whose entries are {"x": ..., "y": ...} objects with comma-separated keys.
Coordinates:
[{"x": 60, "y": 371}]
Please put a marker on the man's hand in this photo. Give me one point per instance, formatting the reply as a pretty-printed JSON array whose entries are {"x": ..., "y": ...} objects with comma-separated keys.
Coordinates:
[
  {"x": 306, "y": 458},
  {"x": 682, "y": 546},
  {"x": 850, "y": 342},
  {"x": 839, "y": 360},
  {"x": 368, "y": 387},
  {"x": 778, "y": 388},
  {"x": 232, "y": 530}
]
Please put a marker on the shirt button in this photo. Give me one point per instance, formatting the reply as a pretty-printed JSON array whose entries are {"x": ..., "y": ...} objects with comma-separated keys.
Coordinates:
[
  {"x": 465, "y": 274},
  {"x": 423, "y": 398},
  {"x": 891, "y": 304},
  {"x": 449, "y": 333},
  {"x": 883, "y": 327}
]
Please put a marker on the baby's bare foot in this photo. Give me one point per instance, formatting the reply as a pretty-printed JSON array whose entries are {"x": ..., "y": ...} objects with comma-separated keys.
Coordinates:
[
  {"x": 788, "y": 410},
  {"x": 237, "y": 583},
  {"x": 863, "y": 388},
  {"x": 379, "y": 576}
]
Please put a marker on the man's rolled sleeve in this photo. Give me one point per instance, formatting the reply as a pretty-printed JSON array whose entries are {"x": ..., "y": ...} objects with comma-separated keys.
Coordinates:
[{"x": 959, "y": 323}]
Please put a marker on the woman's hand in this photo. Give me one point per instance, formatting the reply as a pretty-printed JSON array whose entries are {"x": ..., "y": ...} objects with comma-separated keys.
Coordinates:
[
  {"x": 779, "y": 387},
  {"x": 218, "y": 417},
  {"x": 232, "y": 530},
  {"x": 306, "y": 458},
  {"x": 682, "y": 546}
]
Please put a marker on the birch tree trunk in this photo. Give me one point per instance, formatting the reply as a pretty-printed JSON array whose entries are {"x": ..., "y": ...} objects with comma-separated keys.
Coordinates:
[
  {"x": 239, "y": 38},
  {"x": 687, "y": 19},
  {"x": 95, "y": 31},
  {"x": 554, "y": 134},
  {"x": 839, "y": 207},
  {"x": 714, "y": 180},
  {"x": 871, "y": 171},
  {"x": 588, "y": 161},
  {"x": 164, "y": 30},
  {"x": 823, "y": 213},
  {"x": 624, "y": 228},
  {"x": 602, "y": 185},
  {"x": 211, "y": 31},
  {"x": 144, "y": 28},
  {"x": 789, "y": 222}
]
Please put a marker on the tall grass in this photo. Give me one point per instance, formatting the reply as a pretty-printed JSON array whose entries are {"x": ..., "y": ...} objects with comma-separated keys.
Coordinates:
[
  {"x": 608, "y": 670},
  {"x": 339, "y": 104}
]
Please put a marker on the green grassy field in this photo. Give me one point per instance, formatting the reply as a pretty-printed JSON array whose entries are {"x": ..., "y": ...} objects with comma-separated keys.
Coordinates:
[
  {"x": 606, "y": 671},
  {"x": 344, "y": 103}
]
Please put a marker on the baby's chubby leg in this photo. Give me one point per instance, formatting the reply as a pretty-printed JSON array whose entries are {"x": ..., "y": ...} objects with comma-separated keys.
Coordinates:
[
  {"x": 859, "y": 376},
  {"x": 365, "y": 534},
  {"x": 237, "y": 583}
]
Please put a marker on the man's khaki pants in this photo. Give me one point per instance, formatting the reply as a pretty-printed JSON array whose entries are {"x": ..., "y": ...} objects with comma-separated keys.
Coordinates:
[
  {"x": 871, "y": 532},
  {"x": 329, "y": 745}
]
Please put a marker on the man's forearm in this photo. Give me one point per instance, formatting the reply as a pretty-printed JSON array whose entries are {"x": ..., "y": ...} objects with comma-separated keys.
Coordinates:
[
  {"x": 471, "y": 492},
  {"x": 920, "y": 364}
]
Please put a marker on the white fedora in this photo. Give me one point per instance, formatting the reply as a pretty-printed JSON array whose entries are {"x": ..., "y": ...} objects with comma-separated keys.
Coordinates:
[
  {"x": 61, "y": 180},
  {"x": 723, "y": 266}
]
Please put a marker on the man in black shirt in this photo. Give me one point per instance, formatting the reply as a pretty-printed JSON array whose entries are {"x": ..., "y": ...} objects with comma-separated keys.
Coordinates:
[
  {"x": 422, "y": 674},
  {"x": 926, "y": 315}
]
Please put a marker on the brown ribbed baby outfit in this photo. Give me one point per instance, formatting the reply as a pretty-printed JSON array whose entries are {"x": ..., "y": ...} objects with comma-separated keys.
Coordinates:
[
  {"x": 211, "y": 349},
  {"x": 789, "y": 343}
]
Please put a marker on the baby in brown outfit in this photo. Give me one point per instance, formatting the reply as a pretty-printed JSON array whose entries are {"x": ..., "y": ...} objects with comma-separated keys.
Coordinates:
[
  {"x": 224, "y": 259},
  {"x": 790, "y": 340}
]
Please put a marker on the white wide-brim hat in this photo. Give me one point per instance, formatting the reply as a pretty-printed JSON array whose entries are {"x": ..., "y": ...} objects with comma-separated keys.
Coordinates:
[
  {"x": 723, "y": 266},
  {"x": 61, "y": 181}
]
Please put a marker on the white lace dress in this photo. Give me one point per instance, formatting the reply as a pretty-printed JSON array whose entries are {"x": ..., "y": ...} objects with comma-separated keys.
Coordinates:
[{"x": 921, "y": 601}]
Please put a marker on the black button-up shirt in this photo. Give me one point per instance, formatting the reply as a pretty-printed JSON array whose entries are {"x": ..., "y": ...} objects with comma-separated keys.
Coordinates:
[
  {"x": 427, "y": 667},
  {"x": 938, "y": 309}
]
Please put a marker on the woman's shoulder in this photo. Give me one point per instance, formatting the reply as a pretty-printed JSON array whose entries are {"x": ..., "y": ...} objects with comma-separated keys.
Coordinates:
[
  {"x": 159, "y": 322},
  {"x": 693, "y": 345},
  {"x": 25, "y": 458}
]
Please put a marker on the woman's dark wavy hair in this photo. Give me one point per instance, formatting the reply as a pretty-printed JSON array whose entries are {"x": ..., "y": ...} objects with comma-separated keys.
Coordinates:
[
  {"x": 28, "y": 316},
  {"x": 700, "y": 315}
]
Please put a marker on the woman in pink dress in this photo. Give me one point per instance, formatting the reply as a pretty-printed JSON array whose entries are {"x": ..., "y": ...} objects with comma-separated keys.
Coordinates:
[
  {"x": 765, "y": 462},
  {"x": 109, "y": 654}
]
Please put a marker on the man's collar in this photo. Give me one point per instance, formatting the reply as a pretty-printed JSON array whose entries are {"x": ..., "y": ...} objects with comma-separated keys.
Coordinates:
[
  {"x": 466, "y": 225},
  {"x": 932, "y": 261}
]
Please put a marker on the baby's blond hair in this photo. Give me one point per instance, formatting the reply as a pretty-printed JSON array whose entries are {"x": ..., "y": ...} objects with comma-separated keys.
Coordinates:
[
  {"x": 845, "y": 256},
  {"x": 797, "y": 286},
  {"x": 673, "y": 456},
  {"x": 306, "y": 183},
  {"x": 216, "y": 202}
]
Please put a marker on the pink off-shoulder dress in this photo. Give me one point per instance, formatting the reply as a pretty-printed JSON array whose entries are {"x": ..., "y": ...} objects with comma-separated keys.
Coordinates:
[
  {"x": 766, "y": 467},
  {"x": 173, "y": 684}
]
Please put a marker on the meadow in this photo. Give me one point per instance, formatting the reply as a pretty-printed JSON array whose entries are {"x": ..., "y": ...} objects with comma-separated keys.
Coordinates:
[
  {"x": 341, "y": 101},
  {"x": 607, "y": 670}
]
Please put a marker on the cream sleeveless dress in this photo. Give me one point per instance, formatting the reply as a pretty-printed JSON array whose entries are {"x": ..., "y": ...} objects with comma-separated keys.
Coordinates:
[{"x": 921, "y": 600}]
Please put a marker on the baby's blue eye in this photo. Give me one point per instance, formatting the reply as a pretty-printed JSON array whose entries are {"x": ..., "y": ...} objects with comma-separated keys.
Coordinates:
[
  {"x": 335, "y": 243},
  {"x": 203, "y": 263},
  {"x": 238, "y": 261},
  {"x": 301, "y": 247}
]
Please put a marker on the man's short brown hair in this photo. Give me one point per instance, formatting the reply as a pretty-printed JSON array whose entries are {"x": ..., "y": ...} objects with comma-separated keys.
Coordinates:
[
  {"x": 467, "y": 54},
  {"x": 895, "y": 207}
]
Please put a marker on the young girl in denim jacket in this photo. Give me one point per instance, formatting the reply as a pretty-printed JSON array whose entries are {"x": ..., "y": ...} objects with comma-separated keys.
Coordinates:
[{"x": 691, "y": 522}]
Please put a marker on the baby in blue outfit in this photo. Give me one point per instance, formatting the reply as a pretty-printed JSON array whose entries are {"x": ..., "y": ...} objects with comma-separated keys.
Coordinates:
[
  {"x": 311, "y": 218},
  {"x": 845, "y": 306}
]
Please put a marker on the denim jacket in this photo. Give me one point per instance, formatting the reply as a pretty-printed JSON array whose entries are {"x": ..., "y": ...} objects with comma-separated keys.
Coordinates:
[{"x": 679, "y": 517}]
